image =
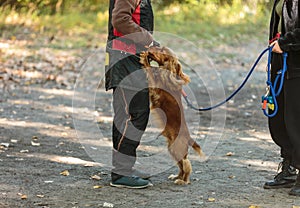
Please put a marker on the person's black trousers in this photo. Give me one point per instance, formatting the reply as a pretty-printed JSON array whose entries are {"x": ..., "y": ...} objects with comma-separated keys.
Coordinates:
[
  {"x": 285, "y": 126},
  {"x": 131, "y": 110}
]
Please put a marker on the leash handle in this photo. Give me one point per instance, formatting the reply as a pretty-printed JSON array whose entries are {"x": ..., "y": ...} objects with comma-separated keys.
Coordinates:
[{"x": 274, "y": 90}]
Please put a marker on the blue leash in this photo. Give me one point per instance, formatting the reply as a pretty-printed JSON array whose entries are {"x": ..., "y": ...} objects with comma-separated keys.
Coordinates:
[
  {"x": 266, "y": 99},
  {"x": 273, "y": 90}
]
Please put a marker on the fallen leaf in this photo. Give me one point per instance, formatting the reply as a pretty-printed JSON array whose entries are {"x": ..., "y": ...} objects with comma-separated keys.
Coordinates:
[
  {"x": 106, "y": 204},
  {"x": 96, "y": 177},
  {"x": 229, "y": 154},
  {"x": 97, "y": 187},
  {"x": 60, "y": 144},
  {"x": 23, "y": 196},
  {"x": 35, "y": 144},
  {"x": 34, "y": 138},
  {"x": 4, "y": 145},
  {"x": 211, "y": 199},
  {"x": 254, "y": 206},
  {"x": 65, "y": 173},
  {"x": 231, "y": 176}
]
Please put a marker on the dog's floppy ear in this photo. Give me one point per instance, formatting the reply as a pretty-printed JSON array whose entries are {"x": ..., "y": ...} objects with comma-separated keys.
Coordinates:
[
  {"x": 179, "y": 72},
  {"x": 176, "y": 70}
]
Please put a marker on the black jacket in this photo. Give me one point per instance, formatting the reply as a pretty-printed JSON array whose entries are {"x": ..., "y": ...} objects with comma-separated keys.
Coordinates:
[
  {"x": 290, "y": 36},
  {"x": 130, "y": 29}
]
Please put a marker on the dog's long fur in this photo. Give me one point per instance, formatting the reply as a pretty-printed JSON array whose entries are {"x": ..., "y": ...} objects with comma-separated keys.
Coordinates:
[{"x": 165, "y": 86}]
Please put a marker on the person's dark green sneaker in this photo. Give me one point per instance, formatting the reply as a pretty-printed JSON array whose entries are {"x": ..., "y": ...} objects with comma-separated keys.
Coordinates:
[
  {"x": 141, "y": 174},
  {"x": 133, "y": 182}
]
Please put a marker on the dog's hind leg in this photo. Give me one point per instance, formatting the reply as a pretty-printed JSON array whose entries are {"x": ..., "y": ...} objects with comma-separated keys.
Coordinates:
[
  {"x": 185, "y": 171},
  {"x": 179, "y": 152},
  {"x": 179, "y": 176}
]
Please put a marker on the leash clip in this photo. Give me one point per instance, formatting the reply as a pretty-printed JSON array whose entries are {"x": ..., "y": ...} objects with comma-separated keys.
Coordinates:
[
  {"x": 265, "y": 98},
  {"x": 267, "y": 91}
]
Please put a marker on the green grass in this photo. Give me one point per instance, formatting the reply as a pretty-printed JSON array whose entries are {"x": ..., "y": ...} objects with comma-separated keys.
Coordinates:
[
  {"x": 198, "y": 21},
  {"x": 212, "y": 25},
  {"x": 72, "y": 30}
]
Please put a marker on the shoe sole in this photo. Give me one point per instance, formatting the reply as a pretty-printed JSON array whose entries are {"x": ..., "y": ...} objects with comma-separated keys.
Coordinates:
[
  {"x": 278, "y": 187},
  {"x": 130, "y": 187}
]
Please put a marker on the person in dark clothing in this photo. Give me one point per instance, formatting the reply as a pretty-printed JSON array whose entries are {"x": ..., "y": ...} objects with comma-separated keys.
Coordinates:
[
  {"x": 285, "y": 125},
  {"x": 130, "y": 32}
]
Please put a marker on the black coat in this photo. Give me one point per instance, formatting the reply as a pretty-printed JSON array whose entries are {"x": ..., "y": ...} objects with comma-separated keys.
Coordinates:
[
  {"x": 123, "y": 62},
  {"x": 290, "y": 37}
]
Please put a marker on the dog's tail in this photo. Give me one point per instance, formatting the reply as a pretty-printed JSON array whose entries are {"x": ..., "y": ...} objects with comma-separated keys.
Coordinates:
[{"x": 196, "y": 147}]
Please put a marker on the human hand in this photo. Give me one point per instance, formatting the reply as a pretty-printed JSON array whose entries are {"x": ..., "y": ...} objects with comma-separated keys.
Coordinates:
[
  {"x": 153, "y": 43},
  {"x": 276, "y": 47}
]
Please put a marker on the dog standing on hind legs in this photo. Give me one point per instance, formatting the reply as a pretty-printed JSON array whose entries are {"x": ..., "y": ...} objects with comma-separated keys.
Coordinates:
[{"x": 165, "y": 86}]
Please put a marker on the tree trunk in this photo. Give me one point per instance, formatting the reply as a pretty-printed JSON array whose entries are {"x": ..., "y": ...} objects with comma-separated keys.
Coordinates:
[{"x": 60, "y": 6}]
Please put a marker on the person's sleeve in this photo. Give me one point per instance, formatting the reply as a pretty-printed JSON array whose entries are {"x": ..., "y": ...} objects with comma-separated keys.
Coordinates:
[
  {"x": 123, "y": 23},
  {"x": 290, "y": 41}
]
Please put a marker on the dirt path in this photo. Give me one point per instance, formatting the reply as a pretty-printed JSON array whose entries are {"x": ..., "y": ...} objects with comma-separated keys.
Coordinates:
[{"x": 46, "y": 163}]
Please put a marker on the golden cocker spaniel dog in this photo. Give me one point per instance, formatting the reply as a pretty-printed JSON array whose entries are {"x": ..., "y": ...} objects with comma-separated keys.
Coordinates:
[{"x": 165, "y": 86}]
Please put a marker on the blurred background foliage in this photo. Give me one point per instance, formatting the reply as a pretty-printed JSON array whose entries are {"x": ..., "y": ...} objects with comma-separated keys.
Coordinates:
[
  {"x": 226, "y": 20},
  {"x": 61, "y": 6}
]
